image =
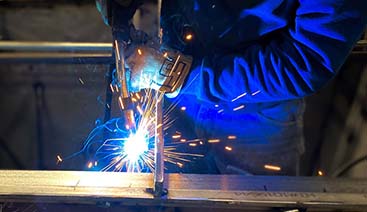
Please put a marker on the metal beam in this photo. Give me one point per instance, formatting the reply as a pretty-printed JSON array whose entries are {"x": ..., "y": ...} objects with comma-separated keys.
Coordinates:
[
  {"x": 12, "y": 52},
  {"x": 56, "y": 58},
  {"x": 214, "y": 191},
  {"x": 54, "y": 46}
]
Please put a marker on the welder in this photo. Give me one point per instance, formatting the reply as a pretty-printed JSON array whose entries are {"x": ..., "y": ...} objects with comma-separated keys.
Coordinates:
[{"x": 253, "y": 63}]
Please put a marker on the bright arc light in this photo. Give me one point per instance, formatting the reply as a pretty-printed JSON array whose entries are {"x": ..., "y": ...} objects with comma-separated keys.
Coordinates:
[{"x": 135, "y": 146}]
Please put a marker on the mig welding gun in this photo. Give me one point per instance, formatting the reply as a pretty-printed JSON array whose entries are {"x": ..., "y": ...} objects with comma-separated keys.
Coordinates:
[{"x": 142, "y": 61}]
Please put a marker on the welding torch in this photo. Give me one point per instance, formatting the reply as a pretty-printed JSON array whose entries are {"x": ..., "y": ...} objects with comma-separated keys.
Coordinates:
[
  {"x": 125, "y": 100},
  {"x": 172, "y": 68},
  {"x": 118, "y": 14}
]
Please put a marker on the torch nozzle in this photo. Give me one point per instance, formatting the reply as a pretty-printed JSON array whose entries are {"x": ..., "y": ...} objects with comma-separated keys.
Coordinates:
[{"x": 129, "y": 119}]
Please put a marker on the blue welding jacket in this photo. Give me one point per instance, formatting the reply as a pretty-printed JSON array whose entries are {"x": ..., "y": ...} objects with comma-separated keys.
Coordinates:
[{"x": 255, "y": 60}]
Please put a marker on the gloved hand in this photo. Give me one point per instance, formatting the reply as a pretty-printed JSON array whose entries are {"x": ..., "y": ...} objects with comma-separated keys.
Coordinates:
[
  {"x": 151, "y": 65},
  {"x": 117, "y": 12}
]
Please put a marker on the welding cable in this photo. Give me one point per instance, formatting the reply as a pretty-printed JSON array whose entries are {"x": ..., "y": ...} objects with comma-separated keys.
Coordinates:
[{"x": 347, "y": 166}]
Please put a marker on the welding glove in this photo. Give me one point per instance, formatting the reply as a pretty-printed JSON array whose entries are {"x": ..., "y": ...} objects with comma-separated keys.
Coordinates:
[
  {"x": 149, "y": 64},
  {"x": 117, "y": 10},
  {"x": 152, "y": 65}
]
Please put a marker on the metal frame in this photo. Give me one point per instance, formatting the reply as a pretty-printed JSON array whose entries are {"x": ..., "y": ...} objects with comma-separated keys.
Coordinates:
[{"x": 184, "y": 190}]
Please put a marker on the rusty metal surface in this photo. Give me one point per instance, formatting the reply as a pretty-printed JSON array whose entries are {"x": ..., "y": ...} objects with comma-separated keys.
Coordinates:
[{"x": 214, "y": 191}]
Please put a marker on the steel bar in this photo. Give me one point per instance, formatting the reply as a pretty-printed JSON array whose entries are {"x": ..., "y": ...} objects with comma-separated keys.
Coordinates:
[
  {"x": 362, "y": 43},
  {"x": 40, "y": 3},
  {"x": 82, "y": 53},
  {"x": 214, "y": 191},
  {"x": 56, "y": 58},
  {"x": 159, "y": 147},
  {"x": 73, "y": 46},
  {"x": 54, "y": 46}
]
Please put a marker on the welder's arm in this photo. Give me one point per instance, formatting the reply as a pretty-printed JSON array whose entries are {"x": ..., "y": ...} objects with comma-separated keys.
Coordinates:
[{"x": 294, "y": 63}]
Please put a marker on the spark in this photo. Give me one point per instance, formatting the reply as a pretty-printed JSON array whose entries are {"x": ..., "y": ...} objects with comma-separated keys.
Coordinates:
[
  {"x": 213, "y": 140},
  {"x": 183, "y": 108},
  {"x": 272, "y": 167},
  {"x": 220, "y": 111},
  {"x": 216, "y": 105},
  {"x": 228, "y": 148},
  {"x": 140, "y": 110},
  {"x": 254, "y": 93},
  {"x": 81, "y": 81},
  {"x": 137, "y": 96},
  {"x": 238, "y": 97},
  {"x": 232, "y": 137},
  {"x": 189, "y": 37},
  {"x": 140, "y": 52},
  {"x": 112, "y": 89},
  {"x": 90, "y": 165},
  {"x": 118, "y": 149},
  {"x": 160, "y": 35},
  {"x": 125, "y": 153},
  {"x": 239, "y": 108},
  {"x": 121, "y": 103},
  {"x": 59, "y": 159},
  {"x": 320, "y": 173},
  {"x": 176, "y": 136}
]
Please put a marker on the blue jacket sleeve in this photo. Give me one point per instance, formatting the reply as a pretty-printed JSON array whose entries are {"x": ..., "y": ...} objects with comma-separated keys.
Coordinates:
[{"x": 294, "y": 62}]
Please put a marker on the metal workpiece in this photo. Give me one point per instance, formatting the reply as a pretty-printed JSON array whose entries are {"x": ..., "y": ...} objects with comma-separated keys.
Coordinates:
[
  {"x": 54, "y": 46},
  {"x": 159, "y": 148},
  {"x": 13, "y": 52},
  {"x": 55, "y": 58},
  {"x": 84, "y": 53},
  {"x": 73, "y": 46},
  {"x": 185, "y": 190}
]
